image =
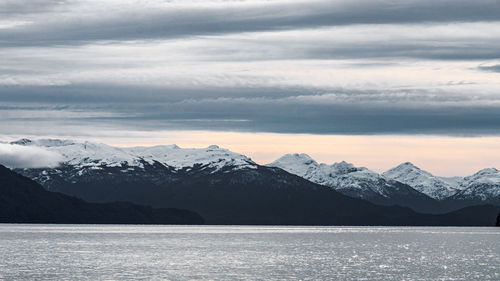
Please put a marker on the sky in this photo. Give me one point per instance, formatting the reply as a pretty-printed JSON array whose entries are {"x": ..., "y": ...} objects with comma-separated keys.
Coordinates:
[{"x": 375, "y": 82}]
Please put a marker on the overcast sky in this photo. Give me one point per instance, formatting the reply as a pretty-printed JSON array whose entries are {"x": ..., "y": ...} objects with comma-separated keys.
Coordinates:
[{"x": 113, "y": 70}]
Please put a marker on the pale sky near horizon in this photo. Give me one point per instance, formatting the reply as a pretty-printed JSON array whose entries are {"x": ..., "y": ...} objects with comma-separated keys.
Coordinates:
[
  {"x": 463, "y": 156},
  {"x": 375, "y": 83},
  {"x": 439, "y": 155}
]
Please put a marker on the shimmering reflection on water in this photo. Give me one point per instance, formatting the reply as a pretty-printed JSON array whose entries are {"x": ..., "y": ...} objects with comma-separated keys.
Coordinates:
[{"x": 99, "y": 252}]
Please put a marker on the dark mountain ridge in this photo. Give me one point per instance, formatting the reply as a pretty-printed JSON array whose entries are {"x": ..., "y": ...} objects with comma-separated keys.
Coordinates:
[
  {"x": 170, "y": 176},
  {"x": 25, "y": 201},
  {"x": 262, "y": 195}
]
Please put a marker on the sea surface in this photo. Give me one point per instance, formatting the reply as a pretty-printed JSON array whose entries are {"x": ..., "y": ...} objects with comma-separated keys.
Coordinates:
[{"x": 126, "y": 252}]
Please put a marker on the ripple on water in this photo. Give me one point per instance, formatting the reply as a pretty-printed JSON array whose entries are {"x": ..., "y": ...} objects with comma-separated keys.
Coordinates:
[{"x": 95, "y": 252}]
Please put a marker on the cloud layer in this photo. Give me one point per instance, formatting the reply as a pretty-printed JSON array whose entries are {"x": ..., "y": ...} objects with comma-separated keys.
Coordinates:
[
  {"x": 18, "y": 156},
  {"x": 77, "y": 22},
  {"x": 320, "y": 67}
]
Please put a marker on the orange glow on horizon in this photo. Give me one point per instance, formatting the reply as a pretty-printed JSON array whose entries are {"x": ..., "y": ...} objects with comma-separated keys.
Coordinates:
[{"x": 440, "y": 155}]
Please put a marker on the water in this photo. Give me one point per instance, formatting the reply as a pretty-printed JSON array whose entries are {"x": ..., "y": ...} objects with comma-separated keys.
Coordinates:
[{"x": 98, "y": 252}]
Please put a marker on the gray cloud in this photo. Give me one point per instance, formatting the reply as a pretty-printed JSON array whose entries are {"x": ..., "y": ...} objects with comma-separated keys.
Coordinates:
[
  {"x": 219, "y": 60},
  {"x": 322, "y": 67},
  {"x": 275, "y": 117},
  {"x": 135, "y": 22},
  {"x": 285, "y": 110},
  {"x": 18, "y": 156},
  {"x": 490, "y": 68},
  {"x": 24, "y": 7},
  {"x": 407, "y": 50}
]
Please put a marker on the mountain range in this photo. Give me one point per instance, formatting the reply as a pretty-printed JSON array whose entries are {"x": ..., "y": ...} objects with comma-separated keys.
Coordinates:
[
  {"x": 405, "y": 184},
  {"x": 294, "y": 189},
  {"x": 357, "y": 182},
  {"x": 25, "y": 201}
]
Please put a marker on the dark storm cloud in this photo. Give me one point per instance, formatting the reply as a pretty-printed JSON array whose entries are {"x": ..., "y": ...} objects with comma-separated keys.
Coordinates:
[
  {"x": 423, "y": 50},
  {"x": 321, "y": 67},
  {"x": 282, "y": 110},
  {"x": 95, "y": 94},
  {"x": 23, "y": 7},
  {"x": 490, "y": 68},
  {"x": 68, "y": 26},
  {"x": 269, "y": 116},
  {"x": 274, "y": 116}
]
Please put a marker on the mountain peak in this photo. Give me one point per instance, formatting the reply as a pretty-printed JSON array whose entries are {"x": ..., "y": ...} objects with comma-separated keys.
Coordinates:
[
  {"x": 22, "y": 141},
  {"x": 343, "y": 177},
  {"x": 93, "y": 155},
  {"x": 408, "y": 165},
  {"x": 343, "y": 164},
  {"x": 298, "y": 164},
  {"x": 301, "y": 156},
  {"x": 483, "y": 185},
  {"x": 487, "y": 171},
  {"x": 297, "y": 158},
  {"x": 406, "y": 168},
  {"x": 421, "y": 180},
  {"x": 488, "y": 175}
]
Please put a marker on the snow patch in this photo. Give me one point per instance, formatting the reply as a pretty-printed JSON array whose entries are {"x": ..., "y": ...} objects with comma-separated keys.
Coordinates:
[
  {"x": 339, "y": 176},
  {"x": 92, "y": 155},
  {"x": 423, "y": 181}
]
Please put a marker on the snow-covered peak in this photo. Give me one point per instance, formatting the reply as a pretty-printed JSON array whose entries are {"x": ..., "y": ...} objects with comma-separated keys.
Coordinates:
[
  {"x": 87, "y": 154},
  {"x": 408, "y": 165},
  {"x": 406, "y": 169},
  {"x": 303, "y": 165},
  {"x": 423, "y": 181},
  {"x": 487, "y": 171},
  {"x": 43, "y": 142},
  {"x": 298, "y": 164},
  {"x": 341, "y": 176},
  {"x": 483, "y": 185},
  {"x": 484, "y": 176},
  {"x": 91, "y": 154},
  {"x": 212, "y": 156},
  {"x": 344, "y": 167},
  {"x": 296, "y": 157}
]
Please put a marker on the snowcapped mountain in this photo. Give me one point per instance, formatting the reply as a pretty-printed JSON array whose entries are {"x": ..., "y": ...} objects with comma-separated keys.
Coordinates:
[
  {"x": 306, "y": 167},
  {"x": 87, "y": 164},
  {"x": 224, "y": 187},
  {"x": 483, "y": 186},
  {"x": 479, "y": 188},
  {"x": 436, "y": 187},
  {"x": 102, "y": 173},
  {"x": 97, "y": 156},
  {"x": 354, "y": 181},
  {"x": 330, "y": 175}
]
